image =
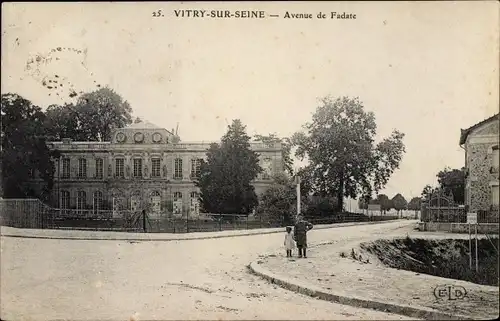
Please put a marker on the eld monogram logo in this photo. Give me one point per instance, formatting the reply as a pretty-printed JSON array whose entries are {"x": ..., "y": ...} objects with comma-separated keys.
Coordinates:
[{"x": 450, "y": 292}]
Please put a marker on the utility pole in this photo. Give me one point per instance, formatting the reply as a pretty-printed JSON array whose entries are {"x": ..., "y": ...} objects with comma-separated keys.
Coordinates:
[{"x": 297, "y": 181}]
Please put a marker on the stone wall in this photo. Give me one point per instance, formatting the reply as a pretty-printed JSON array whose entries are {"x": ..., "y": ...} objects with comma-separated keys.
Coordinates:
[
  {"x": 489, "y": 228},
  {"x": 481, "y": 171}
]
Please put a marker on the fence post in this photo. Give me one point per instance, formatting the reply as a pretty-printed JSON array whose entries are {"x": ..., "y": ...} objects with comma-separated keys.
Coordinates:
[{"x": 220, "y": 222}]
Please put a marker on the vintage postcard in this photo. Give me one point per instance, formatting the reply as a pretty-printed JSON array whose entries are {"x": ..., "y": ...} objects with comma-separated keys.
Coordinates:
[{"x": 249, "y": 160}]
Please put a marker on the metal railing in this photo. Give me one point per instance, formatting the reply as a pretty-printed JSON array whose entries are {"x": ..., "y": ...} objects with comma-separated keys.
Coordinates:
[{"x": 32, "y": 213}]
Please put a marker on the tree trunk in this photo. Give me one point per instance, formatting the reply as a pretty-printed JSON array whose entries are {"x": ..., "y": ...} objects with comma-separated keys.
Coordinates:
[{"x": 340, "y": 194}]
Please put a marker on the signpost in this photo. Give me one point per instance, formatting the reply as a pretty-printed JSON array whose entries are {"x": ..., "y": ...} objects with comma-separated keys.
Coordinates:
[{"x": 472, "y": 219}]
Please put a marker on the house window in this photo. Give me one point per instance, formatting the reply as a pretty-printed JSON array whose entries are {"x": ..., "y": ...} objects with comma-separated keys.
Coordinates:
[
  {"x": 495, "y": 158},
  {"x": 65, "y": 200},
  {"x": 494, "y": 195},
  {"x": 178, "y": 168},
  {"x": 155, "y": 167},
  {"x": 66, "y": 167},
  {"x": 119, "y": 167},
  {"x": 99, "y": 165},
  {"x": 177, "y": 196},
  {"x": 137, "y": 167},
  {"x": 81, "y": 200},
  {"x": 155, "y": 202},
  {"x": 82, "y": 168},
  {"x": 97, "y": 201},
  {"x": 195, "y": 168},
  {"x": 177, "y": 206},
  {"x": 267, "y": 169}
]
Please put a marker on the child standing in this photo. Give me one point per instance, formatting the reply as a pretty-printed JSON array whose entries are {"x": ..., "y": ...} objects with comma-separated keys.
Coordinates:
[
  {"x": 289, "y": 241},
  {"x": 300, "y": 231}
]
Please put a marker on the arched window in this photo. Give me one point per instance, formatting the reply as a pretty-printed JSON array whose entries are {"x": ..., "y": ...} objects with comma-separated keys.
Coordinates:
[
  {"x": 267, "y": 167},
  {"x": 81, "y": 199},
  {"x": 135, "y": 201},
  {"x": 65, "y": 200},
  {"x": 155, "y": 201},
  {"x": 177, "y": 196},
  {"x": 97, "y": 201}
]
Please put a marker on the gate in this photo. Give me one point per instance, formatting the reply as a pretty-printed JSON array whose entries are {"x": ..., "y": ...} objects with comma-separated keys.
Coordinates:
[{"x": 440, "y": 207}]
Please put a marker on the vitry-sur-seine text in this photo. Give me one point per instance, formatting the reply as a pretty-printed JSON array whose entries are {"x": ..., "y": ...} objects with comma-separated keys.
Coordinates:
[{"x": 191, "y": 13}]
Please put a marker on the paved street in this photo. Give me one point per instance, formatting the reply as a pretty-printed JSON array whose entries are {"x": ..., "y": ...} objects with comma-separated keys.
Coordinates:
[{"x": 195, "y": 279}]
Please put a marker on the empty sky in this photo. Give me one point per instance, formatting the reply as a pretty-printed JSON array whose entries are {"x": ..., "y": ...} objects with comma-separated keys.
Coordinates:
[{"x": 427, "y": 69}]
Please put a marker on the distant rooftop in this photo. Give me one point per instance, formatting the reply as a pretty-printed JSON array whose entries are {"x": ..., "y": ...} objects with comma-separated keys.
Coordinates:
[{"x": 465, "y": 132}]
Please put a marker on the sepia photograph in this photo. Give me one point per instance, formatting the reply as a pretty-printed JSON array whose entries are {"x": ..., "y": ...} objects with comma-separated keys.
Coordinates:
[{"x": 303, "y": 160}]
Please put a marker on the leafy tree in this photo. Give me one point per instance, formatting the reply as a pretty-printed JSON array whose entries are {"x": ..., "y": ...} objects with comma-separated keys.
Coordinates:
[
  {"x": 226, "y": 176},
  {"x": 286, "y": 152},
  {"x": 362, "y": 204},
  {"x": 399, "y": 203},
  {"x": 344, "y": 160},
  {"x": 427, "y": 192},
  {"x": 414, "y": 204},
  {"x": 24, "y": 149},
  {"x": 93, "y": 117},
  {"x": 278, "y": 203},
  {"x": 453, "y": 181},
  {"x": 385, "y": 203},
  {"x": 321, "y": 206}
]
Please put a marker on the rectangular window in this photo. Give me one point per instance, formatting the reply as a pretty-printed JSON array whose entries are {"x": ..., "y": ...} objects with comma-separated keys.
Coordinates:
[
  {"x": 195, "y": 168},
  {"x": 137, "y": 167},
  {"x": 82, "y": 168},
  {"x": 495, "y": 159},
  {"x": 155, "y": 167},
  {"x": 66, "y": 167},
  {"x": 119, "y": 167},
  {"x": 494, "y": 196},
  {"x": 178, "y": 168},
  {"x": 99, "y": 165}
]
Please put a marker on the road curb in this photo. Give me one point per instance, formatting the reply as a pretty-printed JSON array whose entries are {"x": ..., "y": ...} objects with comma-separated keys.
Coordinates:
[
  {"x": 186, "y": 238},
  {"x": 317, "y": 292}
]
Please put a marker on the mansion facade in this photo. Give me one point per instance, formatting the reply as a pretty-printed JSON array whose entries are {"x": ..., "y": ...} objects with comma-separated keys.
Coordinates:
[{"x": 142, "y": 167}]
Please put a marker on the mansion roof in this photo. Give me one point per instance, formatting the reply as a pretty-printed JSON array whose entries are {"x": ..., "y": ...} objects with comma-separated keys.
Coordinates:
[{"x": 464, "y": 133}]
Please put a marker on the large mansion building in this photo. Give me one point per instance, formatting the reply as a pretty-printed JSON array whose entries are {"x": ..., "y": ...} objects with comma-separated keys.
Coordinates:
[{"x": 142, "y": 167}]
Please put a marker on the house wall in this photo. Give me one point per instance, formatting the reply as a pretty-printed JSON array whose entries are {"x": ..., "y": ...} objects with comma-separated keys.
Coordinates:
[{"x": 482, "y": 177}]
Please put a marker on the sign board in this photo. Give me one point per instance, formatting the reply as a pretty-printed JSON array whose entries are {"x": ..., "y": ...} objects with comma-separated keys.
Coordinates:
[
  {"x": 472, "y": 218},
  {"x": 374, "y": 207}
]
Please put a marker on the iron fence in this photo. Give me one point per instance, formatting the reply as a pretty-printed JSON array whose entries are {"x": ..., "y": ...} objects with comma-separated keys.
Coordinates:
[{"x": 32, "y": 213}]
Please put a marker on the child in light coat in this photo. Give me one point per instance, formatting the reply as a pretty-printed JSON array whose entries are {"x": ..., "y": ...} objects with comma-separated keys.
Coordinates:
[{"x": 289, "y": 241}]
